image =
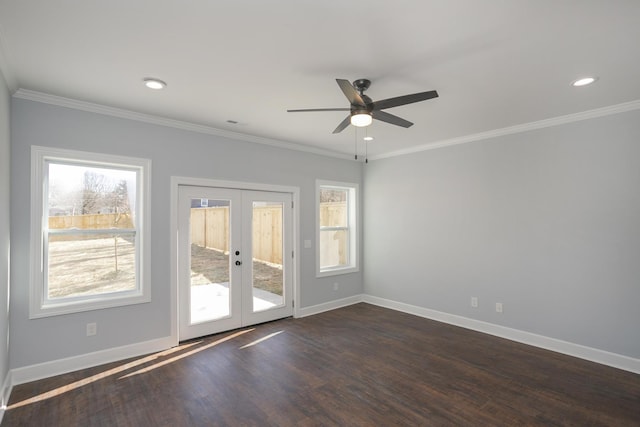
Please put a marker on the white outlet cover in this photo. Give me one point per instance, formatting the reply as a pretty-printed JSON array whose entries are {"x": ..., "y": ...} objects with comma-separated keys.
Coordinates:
[{"x": 92, "y": 329}]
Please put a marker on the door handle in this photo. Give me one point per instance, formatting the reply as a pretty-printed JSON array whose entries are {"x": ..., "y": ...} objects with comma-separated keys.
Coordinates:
[{"x": 238, "y": 262}]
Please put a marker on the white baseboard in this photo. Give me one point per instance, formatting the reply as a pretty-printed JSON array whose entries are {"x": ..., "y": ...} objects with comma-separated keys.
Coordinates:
[
  {"x": 576, "y": 350},
  {"x": 5, "y": 392},
  {"x": 327, "y": 306},
  {"x": 70, "y": 364}
]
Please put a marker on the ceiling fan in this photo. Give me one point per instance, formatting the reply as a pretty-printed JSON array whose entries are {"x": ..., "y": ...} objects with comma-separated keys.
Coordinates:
[{"x": 363, "y": 109}]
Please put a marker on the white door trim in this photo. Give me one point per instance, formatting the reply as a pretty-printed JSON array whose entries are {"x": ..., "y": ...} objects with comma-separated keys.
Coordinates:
[{"x": 177, "y": 181}]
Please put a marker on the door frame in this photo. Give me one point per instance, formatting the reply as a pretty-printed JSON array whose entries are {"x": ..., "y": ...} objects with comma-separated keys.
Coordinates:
[{"x": 177, "y": 181}]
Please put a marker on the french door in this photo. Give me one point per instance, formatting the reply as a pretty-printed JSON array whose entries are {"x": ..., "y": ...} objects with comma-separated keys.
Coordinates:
[{"x": 234, "y": 259}]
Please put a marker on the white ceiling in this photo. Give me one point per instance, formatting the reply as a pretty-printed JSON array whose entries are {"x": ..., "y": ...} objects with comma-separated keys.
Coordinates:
[{"x": 495, "y": 63}]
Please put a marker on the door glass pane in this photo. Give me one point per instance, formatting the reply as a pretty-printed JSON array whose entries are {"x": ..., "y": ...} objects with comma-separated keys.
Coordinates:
[
  {"x": 210, "y": 296},
  {"x": 268, "y": 278}
]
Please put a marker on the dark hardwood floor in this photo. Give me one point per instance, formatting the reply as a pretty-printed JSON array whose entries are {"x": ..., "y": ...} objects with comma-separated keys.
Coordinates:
[{"x": 358, "y": 366}]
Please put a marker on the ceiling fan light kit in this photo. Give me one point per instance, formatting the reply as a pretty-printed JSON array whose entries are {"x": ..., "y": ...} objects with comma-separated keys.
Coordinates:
[
  {"x": 363, "y": 109},
  {"x": 360, "y": 118}
]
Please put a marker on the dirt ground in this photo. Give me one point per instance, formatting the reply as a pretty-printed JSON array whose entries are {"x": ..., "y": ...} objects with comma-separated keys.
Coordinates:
[
  {"x": 88, "y": 267},
  {"x": 211, "y": 266}
]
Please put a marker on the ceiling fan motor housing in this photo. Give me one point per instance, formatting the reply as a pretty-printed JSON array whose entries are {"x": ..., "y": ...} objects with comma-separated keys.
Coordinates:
[{"x": 361, "y": 85}]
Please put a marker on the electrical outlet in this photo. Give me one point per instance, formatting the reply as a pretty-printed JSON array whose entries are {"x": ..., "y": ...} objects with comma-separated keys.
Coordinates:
[
  {"x": 499, "y": 307},
  {"x": 92, "y": 329},
  {"x": 336, "y": 286},
  {"x": 474, "y": 302}
]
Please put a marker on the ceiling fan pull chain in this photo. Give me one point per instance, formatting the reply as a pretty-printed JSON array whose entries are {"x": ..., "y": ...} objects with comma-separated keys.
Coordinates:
[
  {"x": 366, "y": 146},
  {"x": 355, "y": 143}
]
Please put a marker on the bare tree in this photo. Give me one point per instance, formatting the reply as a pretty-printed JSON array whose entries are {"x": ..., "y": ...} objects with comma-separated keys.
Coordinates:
[
  {"x": 120, "y": 196},
  {"x": 95, "y": 190},
  {"x": 327, "y": 195}
]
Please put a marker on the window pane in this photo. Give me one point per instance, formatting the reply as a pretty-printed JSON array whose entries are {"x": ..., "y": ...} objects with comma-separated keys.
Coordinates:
[
  {"x": 333, "y": 208},
  {"x": 80, "y": 264},
  {"x": 89, "y": 197},
  {"x": 334, "y": 248},
  {"x": 89, "y": 241}
]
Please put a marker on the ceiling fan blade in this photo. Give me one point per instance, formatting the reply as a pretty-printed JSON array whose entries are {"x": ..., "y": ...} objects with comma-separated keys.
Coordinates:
[
  {"x": 403, "y": 100},
  {"x": 352, "y": 95},
  {"x": 318, "y": 109},
  {"x": 343, "y": 124},
  {"x": 390, "y": 118}
]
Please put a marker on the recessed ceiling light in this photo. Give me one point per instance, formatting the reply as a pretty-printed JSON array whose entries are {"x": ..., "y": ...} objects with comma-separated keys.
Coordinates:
[
  {"x": 584, "y": 81},
  {"x": 154, "y": 83},
  {"x": 368, "y": 138}
]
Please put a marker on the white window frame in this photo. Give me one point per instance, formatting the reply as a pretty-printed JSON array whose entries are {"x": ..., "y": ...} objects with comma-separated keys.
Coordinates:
[
  {"x": 39, "y": 305},
  {"x": 353, "y": 209}
]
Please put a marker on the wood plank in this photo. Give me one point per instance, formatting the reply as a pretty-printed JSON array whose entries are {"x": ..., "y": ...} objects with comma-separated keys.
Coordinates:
[{"x": 360, "y": 366}]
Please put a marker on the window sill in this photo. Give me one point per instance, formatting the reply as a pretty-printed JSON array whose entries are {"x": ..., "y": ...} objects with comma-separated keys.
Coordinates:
[
  {"x": 77, "y": 307},
  {"x": 337, "y": 271}
]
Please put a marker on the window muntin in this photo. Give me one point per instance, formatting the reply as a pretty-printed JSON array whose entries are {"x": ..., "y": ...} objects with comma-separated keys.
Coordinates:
[
  {"x": 337, "y": 242},
  {"x": 90, "y": 244}
]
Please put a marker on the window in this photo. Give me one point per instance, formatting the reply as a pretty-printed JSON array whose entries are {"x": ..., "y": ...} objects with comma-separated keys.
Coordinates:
[
  {"x": 336, "y": 232},
  {"x": 89, "y": 219}
]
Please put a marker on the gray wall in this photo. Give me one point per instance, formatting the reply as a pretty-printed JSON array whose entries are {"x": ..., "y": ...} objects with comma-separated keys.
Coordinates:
[
  {"x": 173, "y": 152},
  {"x": 546, "y": 222},
  {"x": 5, "y": 203}
]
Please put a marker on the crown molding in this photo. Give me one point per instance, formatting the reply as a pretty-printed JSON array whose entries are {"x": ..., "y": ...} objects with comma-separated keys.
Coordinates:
[
  {"x": 193, "y": 127},
  {"x": 75, "y": 104},
  {"x": 555, "y": 121}
]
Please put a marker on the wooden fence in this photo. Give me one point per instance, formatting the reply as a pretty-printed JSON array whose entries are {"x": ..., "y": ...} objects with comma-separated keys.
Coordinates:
[
  {"x": 267, "y": 234},
  {"x": 333, "y": 243},
  {"x": 87, "y": 222},
  {"x": 333, "y": 214},
  {"x": 210, "y": 229},
  {"x": 90, "y": 222}
]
